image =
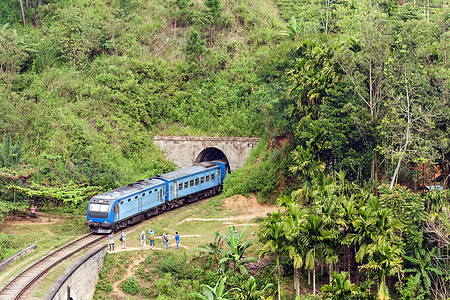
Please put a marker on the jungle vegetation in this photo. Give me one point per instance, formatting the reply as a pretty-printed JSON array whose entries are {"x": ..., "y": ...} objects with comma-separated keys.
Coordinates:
[{"x": 351, "y": 99}]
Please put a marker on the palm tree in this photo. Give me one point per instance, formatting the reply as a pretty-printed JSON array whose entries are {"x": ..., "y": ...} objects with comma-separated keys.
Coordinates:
[
  {"x": 272, "y": 234},
  {"x": 384, "y": 259},
  {"x": 312, "y": 236},
  {"x": 293, "y": 222},
  {"x": 249, "y": 290},
  {"x": 341, "y": 288}
]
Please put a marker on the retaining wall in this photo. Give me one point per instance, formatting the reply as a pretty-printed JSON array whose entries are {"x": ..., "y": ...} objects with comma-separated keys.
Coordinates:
[
  {"x": 79, "y": 280},
  {"x": 8, "y": 261}
]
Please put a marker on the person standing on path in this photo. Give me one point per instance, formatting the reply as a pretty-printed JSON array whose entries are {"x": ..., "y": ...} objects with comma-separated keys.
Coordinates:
[
  {"x": 151, "y": 233},
  {"x": 111, "y": 241},
  {"x": 143, "y": 240},
  {"x": 177, "y": 239},
  {"x": 123, "y": 237},
  {"x": 165, "y": 240}
]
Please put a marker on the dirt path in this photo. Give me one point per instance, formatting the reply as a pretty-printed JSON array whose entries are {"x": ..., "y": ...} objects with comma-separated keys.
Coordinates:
[{"x": 240, "y": 208}]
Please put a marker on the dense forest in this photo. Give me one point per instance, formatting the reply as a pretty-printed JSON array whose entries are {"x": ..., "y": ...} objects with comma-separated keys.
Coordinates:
[{"x": 350, "y": 97}]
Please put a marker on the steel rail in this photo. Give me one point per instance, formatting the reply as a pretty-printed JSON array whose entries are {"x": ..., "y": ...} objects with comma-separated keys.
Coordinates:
[{"x": 45, "y": 258}]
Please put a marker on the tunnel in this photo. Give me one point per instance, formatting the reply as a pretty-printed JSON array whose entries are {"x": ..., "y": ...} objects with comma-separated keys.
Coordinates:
[{"x": 212, "y": 153}]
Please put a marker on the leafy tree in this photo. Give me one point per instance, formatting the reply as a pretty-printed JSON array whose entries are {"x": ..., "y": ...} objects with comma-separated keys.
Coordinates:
[
  {"x": 69, "y": 193},
  {"x": 195, "y": 48},
  {"x": 215, "y": 9},
  {"x": 10, "y": 155}
]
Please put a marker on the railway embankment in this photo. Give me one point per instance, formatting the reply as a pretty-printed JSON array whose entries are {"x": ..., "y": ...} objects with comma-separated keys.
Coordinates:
[
  {"x": 79, "y": 280},
  {"x": 13, "y": 258}
]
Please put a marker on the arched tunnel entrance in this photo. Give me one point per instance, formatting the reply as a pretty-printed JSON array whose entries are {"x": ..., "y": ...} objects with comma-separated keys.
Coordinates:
[{"x": 212, "y": 153}]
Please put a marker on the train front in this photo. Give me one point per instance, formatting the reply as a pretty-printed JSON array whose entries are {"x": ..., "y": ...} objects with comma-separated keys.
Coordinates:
[{"x": 100, "y": 214}]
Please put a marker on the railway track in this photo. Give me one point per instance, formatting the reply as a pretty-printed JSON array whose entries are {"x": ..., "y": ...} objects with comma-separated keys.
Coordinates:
[{"x": 19, "y": 286}]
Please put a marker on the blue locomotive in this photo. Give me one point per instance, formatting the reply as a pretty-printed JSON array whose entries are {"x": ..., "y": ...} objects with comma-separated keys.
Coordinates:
[{"x": 143, "y": 199}]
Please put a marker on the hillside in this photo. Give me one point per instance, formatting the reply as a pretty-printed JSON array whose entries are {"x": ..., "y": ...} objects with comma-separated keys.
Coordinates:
[{"x": 93, "y": 80}]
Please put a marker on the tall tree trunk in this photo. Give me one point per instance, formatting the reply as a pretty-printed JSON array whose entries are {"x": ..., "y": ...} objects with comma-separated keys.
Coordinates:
[
  {"x": 297, "y": 281},
  {"x": 278, "y": 277},
  {"x": 314, "y": 280},
  {"x": 23, "y": 13},
  {"x": 330, "y": 272},
  {"x": 34, "y": 12}
]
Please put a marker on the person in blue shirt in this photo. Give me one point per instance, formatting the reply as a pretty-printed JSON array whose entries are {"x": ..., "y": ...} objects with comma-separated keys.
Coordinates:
[{"x": 177, "y": 239}]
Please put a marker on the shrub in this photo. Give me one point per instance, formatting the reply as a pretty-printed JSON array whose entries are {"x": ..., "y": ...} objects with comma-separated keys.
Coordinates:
[{"x": 131, "y": 286}]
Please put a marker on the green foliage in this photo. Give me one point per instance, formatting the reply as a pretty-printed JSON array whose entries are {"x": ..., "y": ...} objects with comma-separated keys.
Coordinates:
[
  {"x": 412, "y": 290},
  {"x": 261, "y": 174},
  {"x": 176, "y": 265},
  {"x": 195, "y": 46},
  {"x": 410, "y": 210},
  {"x": 237, "y": 243},
  {"x": 7, "y": 245},
  {"x": 14, "y": 50},
  {"x": 130, "y": 286},
  {"x": 10, "y": 155}
]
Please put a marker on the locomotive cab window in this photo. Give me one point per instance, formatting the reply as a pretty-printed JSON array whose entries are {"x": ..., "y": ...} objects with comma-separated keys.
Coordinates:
[
  {"x": 196, "y": 181},
  {"x": 99, "y": 207}
]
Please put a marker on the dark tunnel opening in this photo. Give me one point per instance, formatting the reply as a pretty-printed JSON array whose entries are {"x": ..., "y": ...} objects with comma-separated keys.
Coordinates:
[{"x": 210, "y": 154}]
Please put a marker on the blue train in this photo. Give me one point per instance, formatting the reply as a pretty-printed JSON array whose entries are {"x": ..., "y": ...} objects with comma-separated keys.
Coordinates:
[{"x": 143, "y": 199}]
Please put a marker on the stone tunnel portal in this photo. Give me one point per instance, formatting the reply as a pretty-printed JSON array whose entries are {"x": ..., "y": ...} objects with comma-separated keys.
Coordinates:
[{"x": 212, "y": 153}]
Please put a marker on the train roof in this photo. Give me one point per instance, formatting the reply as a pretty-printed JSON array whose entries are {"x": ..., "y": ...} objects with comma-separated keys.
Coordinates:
[
  {"x": 129, "y": 189},
  {"x": 197, "y": 168}
]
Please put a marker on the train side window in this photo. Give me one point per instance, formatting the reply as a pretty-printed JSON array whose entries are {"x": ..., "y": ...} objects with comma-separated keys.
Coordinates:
[
  {"x": 129, "y": 200},
  {"x": 150, "y": 192},
  {"x": 156, "y": 190},
  {"x": 135, "y": 197},
  {"x": 143, "y": 194},
  {"x": 186, "y": 185},
  {"x": 191, "y": 183},
  {"x": 207, "y": 178},
  {"x": 213, "y": 177},
  {"x": 121, "y": 202},
  {"x": 180, "y": 186},
  {"x": 196, "y": 181},
  {"x": 202, "y": 180}
]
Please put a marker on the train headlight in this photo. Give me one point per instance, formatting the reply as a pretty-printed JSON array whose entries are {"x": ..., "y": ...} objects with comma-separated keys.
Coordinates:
[{"x": 105, "y": 221}]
